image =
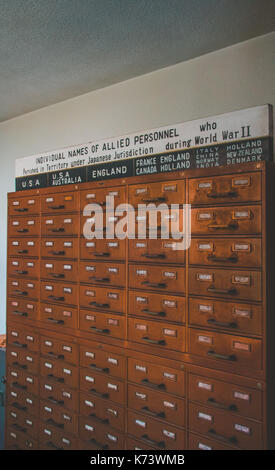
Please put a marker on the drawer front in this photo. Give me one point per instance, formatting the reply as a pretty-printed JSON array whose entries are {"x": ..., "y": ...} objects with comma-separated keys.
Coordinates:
[
  {"x": 59, "y": 349},
  {"x": 226, "y": 396},
  {"x": 23, "y": 226},
  {"x": 50, "y": 438},
  {"x": 235, "y": 351},
  {"x": 103, "y": 361},
  {"x": 23, "y": 268},
  {"x": 98, "y": 196},
  {"x": 22, "y": 309},
  {"x": 59, "y": 417},
  {"x": 157, "y": 306},
  {"x": 103, "y": 298},
  {"x": 152, "y": 224},
  {"x": 226, "y": 220},
  {"x": 98, "y": 225},
  {"x": 155, "y": 433},
  {"x": 59, "y": 293},
  {"x": 19, "y": 441},
  {"x": 244, "y": 252},
  {"x": 23, "y": 246},
  {"x": 25, "y": 339},
  {"x": 22, "y": 359},
  {"x": 157, "y": 405},
  {"x": 157, "y": 334},
  {"x": 244, "y": 285},
  {"x": 108, "y": 388},
  {"x": 232, "y": 316},
  {"x": 169, "y": 192},
  {"x": 22, "y": 422},
  {"x": 225, "y": 427},
  {"x": 22, "y": 381},
  {"x": 97, "y": 249},
  {"x": 24, "y": 205},
  {"x": 156, "y": 377},
  {"x": 100, "y": 436},
  {"x": 157, "y": 278},
  {"x": 57, "y": 248},
  {"x": 245, "y": 187},
  {"x": 22, "y": 401},
  {"x": 112, "y": 274},
  {"x": 60, "y": 225},
  {"x": 58, "y": 316},
  {"x": 23, "y": 288},
  {"x": 102, "y": 411},
  {"x": 133, "y": 444},
  {"x": 60, "y": 270},
  {"x": 106, "y": 324},
  {"x": 196, "y": 442},
  {"x": 59, "y": 372},
  {"x": 157, "y": 251},
  {"x": 58, "y": 394},
  {"x": 60, "y": 203}
]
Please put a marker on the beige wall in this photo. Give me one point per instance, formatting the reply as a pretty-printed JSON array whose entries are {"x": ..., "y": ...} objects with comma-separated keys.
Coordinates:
[{"x": 232, "y": 78}]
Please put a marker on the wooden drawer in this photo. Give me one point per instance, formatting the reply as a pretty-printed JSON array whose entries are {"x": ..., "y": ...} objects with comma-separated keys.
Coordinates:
[
  {"x": 167, "y": 336},
  {"x": 226, "y": 220},
  {"x": 22, "y": 359},
  {"x": 22, "y": 401},
  {"x": 168, "y": 192},
  {"x": 156, "y": 405},
  {"x": 245, "y": 187},
  {"x": 98, "y": 196},
  {"x": 103, "y": 298},
  {"x": 58, "y": 394},
  {"x": 231, "y": 316},
  {"x": 244, "y": 252},
  {"x": 155, "y": 433},
  {"x": 110, "y": 274},
  {"x": 58, "y": 417},
  {"x": 157, "y": 306},
  {"x": 23, "y": 288},
  {"x": 106, "y": 324},
  {"x": 23, "y": 247},
  {"x": 59, "y": 293},
  {"x": 158, "y": 250},
  {"x": 97, "y": 249},
  {"x": 23, "y": 338},
  {"x": 22, "y": 309},
  {"x": 22, "y": 381},
  {"x": 59, "y": 371},
  {"x": 102, "y": 411},
  {"x": 29, "y": 226},
  {"x": 157, "y": 377},
  {"x": 22, "y": 422},
  {"x": 244, "y": 285},
  {"x": 99, "y": 436},
  {"x": 60, "y": 270},
  {"x": 196, "y": 442},
  {"x": 59, "y": 349},
  {"x": 24, "y": 205},
  {"x": 50, "y": 438},
  {"x": 133, "y": 444},
  {"x": 162, "y": 278},
  {"x": 19, "y": 441},
  {"x": 102, "y": 361},
  {"x": 60, "y": 203},
  {"x": 152, "y": 224},
  {"x": 225, "y": 427},
  {"x": 23, "y": 267},
  {"x": 106, "y": 225},
  {"x": 59, "y": 248},
  {"x": 65, "y": 225},
  {"x": 235, "y": 351},
  {"x": 58, "y": 316},
  {"x": 226, "y": 396},
  {"x": 102, "y": 386}
]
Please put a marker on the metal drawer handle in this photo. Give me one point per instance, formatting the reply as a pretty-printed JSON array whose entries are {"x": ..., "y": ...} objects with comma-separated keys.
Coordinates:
[
  {"x": 98, "y": 394},
  {"x": 215, "y": 195},
  {"x": 230, "y": 291},
  {"x": 20, "y": 314},
  {"x": 213, "y": 321},
  {"x": 105, "y": 331},
  {"x": 154, "y": 199},
  {"x": 22, "y": 209},
  {"x": 230, "y": 440},
  {"x": 156, "y": 314},
  {"x": 220, "y": 259},
  {"x": 22, "y": 230},
  {"x": 56, "y": 230},
  {"x": 19, "y": 345},
  {"x": 98, "y": 445},
  {"x": 154, "y": 284},
  {"x": 106, "y": 370},
  {"x": 154, "y": 256},
  {"x": 99, "y": 420},
  {"x": 58, "y": 253},
  {"x": 56, "y": 379},
  {"x": 19, "y": 271},
  {"x": 98, "y": 305},
  {"x": 21, "y": 366},
  {"x": 152, "y": 385},
  {"x": 230, "y": 225},
  {"x": 20, "y": 292},
  {"x": 53, "y": 446},
  {"x": 54, "y": 423},
  {"x": 57, "y": 275},
  {"x": 19, "y": 428},
  {"x": 149, "y": 441},
  {"x": 56, "y": 298},
  {"x": 99, "y": 279},
  {"x": 104, "y": 253},
  {"x": 18, "y": 385},
  {"x": 149, "y": 412},
  {"x": 57, "y": 322},
  {"x": 22, "y": 252},
  {"x": 55, "y": 402},
  {"x": 57, "y": 207},
  {"x": 56, "y": 356},
  {"x": 222, "y": 406},
  {"x": 160, "y": 342},
  {"x": 225, "y": 357},
  {"x": 18, "y": 406}
]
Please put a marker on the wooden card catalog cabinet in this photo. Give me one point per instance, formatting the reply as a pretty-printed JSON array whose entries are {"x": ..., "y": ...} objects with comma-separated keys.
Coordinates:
[{"x": 138, "y": 343}]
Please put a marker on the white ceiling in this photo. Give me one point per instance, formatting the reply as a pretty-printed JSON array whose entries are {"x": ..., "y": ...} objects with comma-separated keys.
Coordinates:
[{"x": 52, "y": 50}]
